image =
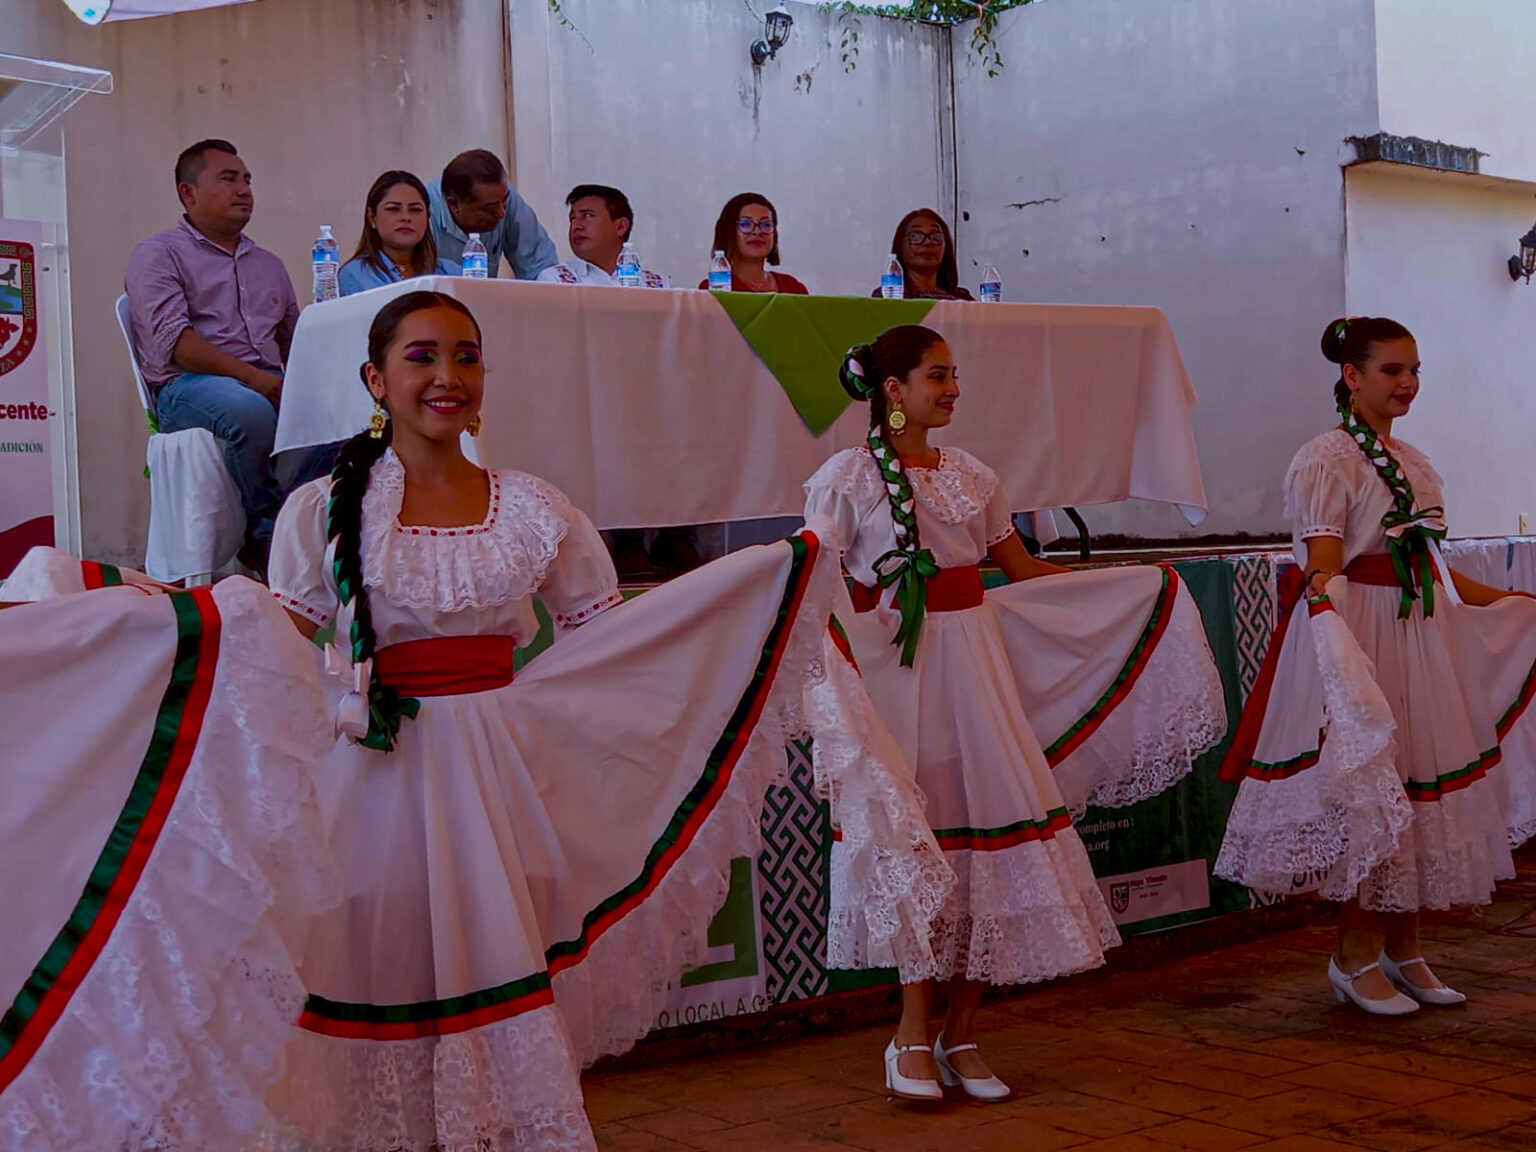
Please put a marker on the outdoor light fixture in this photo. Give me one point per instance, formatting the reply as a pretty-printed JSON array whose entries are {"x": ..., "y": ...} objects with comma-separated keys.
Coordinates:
[
  {"x": 776, "y": 30},
  {"x": 1525, "y": 263}
]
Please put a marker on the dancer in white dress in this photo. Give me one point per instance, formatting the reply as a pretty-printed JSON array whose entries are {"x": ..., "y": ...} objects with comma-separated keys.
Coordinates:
[
  {"x": 411, "y": 938},
  {"x": 1018, "y": 707},
  {"x": 1384, "y": 756},
  {"x": 529, "y": 864}
]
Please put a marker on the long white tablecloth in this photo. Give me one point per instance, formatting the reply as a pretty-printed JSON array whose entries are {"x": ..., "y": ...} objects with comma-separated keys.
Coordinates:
[{"x": 648, "y": 407}]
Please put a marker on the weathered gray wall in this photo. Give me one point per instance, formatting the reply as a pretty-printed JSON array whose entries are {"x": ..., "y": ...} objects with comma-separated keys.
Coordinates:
[
  {"x": 842, "y": 155},
  {"x": 1183, "y": 154}
]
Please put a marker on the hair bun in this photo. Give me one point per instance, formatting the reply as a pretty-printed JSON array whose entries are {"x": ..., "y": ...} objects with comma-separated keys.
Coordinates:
[
  {"x": 851, "y": 373},
  {"x": 1332, "y": 342}
]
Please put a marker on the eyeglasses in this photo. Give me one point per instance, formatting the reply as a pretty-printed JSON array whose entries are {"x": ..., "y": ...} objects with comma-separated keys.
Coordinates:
[
  {"x": 917, "y": 239},
  {"x": 747, "y": 227}
]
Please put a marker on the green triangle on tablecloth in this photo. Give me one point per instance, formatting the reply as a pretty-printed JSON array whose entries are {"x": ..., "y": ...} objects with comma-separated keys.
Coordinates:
[{"x": 802, "y": 339}]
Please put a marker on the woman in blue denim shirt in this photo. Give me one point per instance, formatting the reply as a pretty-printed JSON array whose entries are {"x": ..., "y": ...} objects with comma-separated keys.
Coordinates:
[{"x": 396, "y": 243}]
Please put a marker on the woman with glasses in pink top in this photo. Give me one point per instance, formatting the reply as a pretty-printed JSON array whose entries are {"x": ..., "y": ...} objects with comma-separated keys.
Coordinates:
[
  {"x": 748, "y": 233},
  {"x": 926, "y": 249}
]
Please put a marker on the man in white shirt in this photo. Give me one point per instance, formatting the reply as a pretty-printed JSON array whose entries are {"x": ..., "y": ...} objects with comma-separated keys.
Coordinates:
[{"x": 601, "y": 223}]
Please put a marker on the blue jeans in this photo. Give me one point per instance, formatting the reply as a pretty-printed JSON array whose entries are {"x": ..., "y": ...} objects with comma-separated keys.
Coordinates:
[{"x": 247, "y": 423}]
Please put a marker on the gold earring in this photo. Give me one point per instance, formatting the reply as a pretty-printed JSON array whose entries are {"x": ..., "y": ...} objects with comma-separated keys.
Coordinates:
[
  {"x": 377, "y": 421},
  {"x": 897, "y": 420},
  {"x": 474, "y": 424}
]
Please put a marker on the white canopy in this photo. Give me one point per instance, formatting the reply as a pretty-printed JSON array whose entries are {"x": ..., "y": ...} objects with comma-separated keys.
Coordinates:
[{"x": 100, "y": 11}]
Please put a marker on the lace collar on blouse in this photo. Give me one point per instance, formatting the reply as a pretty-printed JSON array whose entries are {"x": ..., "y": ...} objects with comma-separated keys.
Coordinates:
[
  {"x": 954, "y": 492},
  {"x": 501, "y": 559}
]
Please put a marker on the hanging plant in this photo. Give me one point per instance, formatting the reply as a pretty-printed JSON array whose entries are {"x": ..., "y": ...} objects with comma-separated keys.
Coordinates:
[{"x": 946, "y": 12}]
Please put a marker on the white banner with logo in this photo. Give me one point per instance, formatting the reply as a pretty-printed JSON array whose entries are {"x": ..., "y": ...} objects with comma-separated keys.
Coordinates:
[{"x": 26, "y": 464}]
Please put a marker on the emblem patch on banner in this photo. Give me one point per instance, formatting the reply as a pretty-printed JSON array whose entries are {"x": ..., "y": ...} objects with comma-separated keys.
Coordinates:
[
  {"x": 1119, "y": 897},
  {"x": 18, "y": 304}
]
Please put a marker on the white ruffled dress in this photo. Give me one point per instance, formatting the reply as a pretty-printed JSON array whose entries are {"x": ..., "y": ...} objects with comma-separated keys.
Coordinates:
[
  {"x": 532, "y": 865},
  {"x": 1382, "y": 757},
  {"x": 1054, "y": 693},
  {"x": 161, "y": 856}
]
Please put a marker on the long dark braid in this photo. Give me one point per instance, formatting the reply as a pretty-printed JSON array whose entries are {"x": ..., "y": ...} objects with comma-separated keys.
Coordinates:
[
  {"x": 864, "y": 370},
  {"x": 344, "y": 523}
]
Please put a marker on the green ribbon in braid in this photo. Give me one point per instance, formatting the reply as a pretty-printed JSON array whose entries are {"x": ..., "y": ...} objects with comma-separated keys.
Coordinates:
[
  {"x": 908, "y": 566},
  {"x": 387, "y": 709},
  {"x": 1410, "y": 533}
]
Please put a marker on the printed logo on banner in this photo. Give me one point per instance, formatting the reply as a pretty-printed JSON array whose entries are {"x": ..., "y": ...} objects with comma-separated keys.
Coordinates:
[
  {"x": 18, "y": 304},
  {"x": 1153, "y": 892},
  {"x": 26, "y": 422}
]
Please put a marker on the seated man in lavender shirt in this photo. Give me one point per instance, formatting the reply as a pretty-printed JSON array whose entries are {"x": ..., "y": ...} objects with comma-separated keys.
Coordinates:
[{"x": 213, "y": 318}]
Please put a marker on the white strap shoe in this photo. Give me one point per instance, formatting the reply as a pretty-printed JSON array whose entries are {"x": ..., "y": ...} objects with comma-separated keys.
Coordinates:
[
  {"x": 908, "y": 1087},
  {"x": 1393, "y": 970},
  {"x": 1344, "y": 988},
  {"x": 983, "y": 1088}
]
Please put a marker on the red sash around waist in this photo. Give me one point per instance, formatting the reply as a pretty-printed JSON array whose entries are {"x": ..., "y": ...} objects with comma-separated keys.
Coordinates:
[
  {"x": 446, "y": 665},
  {"x": 1375, "y": 569},
  {"x": 952, "y": 590}
]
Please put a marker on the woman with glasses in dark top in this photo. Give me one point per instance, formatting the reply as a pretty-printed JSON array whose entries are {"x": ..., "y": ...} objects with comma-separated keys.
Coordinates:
[
  {"x": 926, "y": 249},
  {"x": 748, "y": 233}
]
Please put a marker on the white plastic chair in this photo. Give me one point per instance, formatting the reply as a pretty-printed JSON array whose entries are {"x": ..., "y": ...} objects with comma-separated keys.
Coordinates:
[{"x": 196, "y": 520}]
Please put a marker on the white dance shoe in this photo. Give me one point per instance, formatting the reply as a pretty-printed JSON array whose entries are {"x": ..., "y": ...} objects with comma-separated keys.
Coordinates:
[
  {"x": 908, "y": 1087},
  {"x": 1393, "y": 970},
  {"x": 982, "y": 1088},
  {"x": 1344, "y": 988}
]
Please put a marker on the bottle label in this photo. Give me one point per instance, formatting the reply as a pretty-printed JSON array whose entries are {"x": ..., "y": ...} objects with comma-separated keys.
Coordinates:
[{"x": 720, "y": 281}]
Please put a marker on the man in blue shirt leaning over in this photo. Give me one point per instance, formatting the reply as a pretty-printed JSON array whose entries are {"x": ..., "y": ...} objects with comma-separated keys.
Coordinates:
[{"x": 473, "y": 195}]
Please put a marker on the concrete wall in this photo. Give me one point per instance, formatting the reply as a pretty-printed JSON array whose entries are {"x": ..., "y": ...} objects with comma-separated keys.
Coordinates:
[
  {"x": 319, "y": 98},
  {"x": 842, "y": 155},
  {"x": 1183, "y": 154},
  {"x": 1461, "y": 71},
  {"x": 1429, "y": 250}
]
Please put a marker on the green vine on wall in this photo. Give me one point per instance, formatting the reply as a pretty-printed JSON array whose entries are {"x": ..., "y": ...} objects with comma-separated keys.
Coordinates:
[
  {"x": 947, "y": 12},
  {"x": 557, "y": 10}
]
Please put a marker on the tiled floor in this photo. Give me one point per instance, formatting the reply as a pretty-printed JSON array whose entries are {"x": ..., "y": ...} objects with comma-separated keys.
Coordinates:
[{"x": 1242, "y": 1048}]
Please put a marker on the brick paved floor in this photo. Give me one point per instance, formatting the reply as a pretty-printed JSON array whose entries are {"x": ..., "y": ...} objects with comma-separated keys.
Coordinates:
[{"x": 1240, "y": 1048}]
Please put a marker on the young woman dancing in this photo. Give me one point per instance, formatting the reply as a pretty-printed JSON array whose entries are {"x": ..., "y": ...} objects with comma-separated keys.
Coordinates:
[
  {"x": 523, "y": 861},
  {"x": 1382, "y": 756},
  {"x": 1017, "y": 706}
]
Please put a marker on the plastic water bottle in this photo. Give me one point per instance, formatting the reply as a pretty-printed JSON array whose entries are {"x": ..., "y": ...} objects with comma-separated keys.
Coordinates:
[
  {"x": 325, "y": 260},
  {"x": 719, "y": 272},
  {"x": 892, "y": 281},
  {"x": 476, "y": 264},
  {"x": 629, "y": 267},
  {"x": 991, "y": 285}
]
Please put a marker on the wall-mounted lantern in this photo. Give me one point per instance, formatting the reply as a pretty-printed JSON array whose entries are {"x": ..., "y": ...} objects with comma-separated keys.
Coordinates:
[
  {"x": 1525, "y": 263},
  {"x": 776, "y": 28}
]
